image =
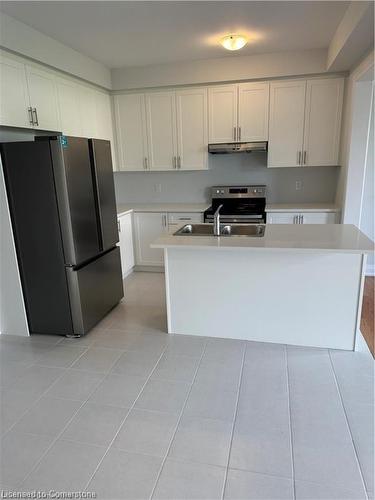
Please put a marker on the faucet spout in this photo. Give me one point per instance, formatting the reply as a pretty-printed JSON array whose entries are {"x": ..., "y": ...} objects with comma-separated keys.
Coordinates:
[{"x": 217, "y": 221}]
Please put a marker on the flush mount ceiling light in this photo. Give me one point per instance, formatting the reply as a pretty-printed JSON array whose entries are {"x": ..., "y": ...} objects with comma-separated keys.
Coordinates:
[{"x": 233, "y": 42}]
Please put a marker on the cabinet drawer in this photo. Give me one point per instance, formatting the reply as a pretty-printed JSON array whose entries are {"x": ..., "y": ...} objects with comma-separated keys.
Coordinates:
[{"x": 182, "y": 217}]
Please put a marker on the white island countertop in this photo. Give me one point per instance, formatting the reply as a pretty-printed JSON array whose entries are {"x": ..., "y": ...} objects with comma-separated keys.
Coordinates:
[
  {"x": 302, "y": 207},
  {"x": 338, "y": 238},
  {"x": 123, "y": 208}
]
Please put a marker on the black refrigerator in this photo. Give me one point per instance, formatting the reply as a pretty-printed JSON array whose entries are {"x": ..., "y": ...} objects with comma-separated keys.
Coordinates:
[{"x": 63, "y": 211}]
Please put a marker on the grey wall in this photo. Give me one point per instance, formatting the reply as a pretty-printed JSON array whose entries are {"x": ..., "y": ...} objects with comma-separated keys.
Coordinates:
[{"x": 318, "y": 183}]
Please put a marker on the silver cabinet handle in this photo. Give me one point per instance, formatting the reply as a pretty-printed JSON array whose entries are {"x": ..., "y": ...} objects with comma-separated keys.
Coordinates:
[
  {"x": 173, "y": 161},
  {"x": 239, "y": 133},
  {"x": 295, "y": 219},
  {"x": 304, "y": 157},
  {"x": 31, "y": 119},
  {"x": 36, "y": 121},
  {"x": 299, "y": 156},
  {"x": 164, "y": 220},
  {"x": 179, "y": 162},
  {"x": 234, "y": 133},
  {"x": 145, "y": 163},
  {"x": 301, "y": 219}
]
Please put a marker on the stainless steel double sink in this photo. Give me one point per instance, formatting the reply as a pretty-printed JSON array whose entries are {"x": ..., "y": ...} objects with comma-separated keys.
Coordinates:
[{"x": 254, "y": 230}]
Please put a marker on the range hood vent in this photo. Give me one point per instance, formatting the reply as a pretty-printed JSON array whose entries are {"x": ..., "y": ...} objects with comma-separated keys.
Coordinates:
[{"x": 237, "y": 147}]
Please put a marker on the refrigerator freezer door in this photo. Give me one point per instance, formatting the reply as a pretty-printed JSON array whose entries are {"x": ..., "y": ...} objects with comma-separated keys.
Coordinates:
[
  {"x": 94, "y": 290},
  {"x": 105, "y": 189},
  {"x": 76, "y": 198},
  {"x": 36, "y": 229}
]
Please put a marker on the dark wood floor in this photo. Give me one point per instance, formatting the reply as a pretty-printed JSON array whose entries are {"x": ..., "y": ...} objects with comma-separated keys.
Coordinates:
[{"x": 367, "y": 319}]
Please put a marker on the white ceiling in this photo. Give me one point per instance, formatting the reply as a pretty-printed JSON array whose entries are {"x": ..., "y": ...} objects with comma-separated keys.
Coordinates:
[{"x": 141, "y": 33}]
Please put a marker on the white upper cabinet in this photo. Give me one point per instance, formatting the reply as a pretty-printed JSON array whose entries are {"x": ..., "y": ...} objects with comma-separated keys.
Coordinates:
[
  {"x": 253, "y": 110},
  {"x": 222, "y": 113},
  {"x": 43, "y": 98},
  {"x": 305, "y": 122},
  {"x": 192, "y": 129},
  {"x": 87, "y": 111},
  {"x": 68, "y": 99},
  {"x": 131, "y": 131},
  {"x": 322, "y": 121},
  {"x": 14, "y": 98},
  {"x": 161, "y": 130},
  {"x": 287, "y": 111},
  {"x": 103, "y": 116}
]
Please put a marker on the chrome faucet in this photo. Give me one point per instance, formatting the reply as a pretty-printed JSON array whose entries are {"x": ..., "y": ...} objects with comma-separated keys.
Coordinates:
[{"x": 217, "y": 221}]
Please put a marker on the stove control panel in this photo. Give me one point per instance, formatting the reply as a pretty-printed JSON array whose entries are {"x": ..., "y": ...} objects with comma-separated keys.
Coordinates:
[{"x": 238, "y": 192}]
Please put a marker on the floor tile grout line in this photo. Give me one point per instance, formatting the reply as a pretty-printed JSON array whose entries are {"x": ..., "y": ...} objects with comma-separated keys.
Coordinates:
[
  {"x": 55, "y": 439},
  {"x": 234, "y": 419},
  {"x": 347, "y": 424},
  {"x": 65, "y": 370},
  {"x": 123, "y": 422},
  {"x": 290, "y": 421},
  {"x": 178, "y": 422}
]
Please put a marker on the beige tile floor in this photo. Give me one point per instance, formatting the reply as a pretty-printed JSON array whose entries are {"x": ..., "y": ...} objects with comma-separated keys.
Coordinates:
[{"x": 130, "y": 412}]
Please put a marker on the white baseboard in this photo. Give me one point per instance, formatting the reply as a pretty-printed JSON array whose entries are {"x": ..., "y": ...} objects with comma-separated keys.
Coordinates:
[{"x": 149, "y": 269}]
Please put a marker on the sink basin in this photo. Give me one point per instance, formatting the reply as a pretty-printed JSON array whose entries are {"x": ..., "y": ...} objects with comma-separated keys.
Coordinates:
[{"x": 254, "y": 230}]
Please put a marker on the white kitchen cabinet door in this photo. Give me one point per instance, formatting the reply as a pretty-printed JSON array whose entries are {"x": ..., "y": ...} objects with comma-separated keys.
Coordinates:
[
  {"x": 287, "y": 111},
  {"x": 131, "y": 131},
  {"x": 103, "y": 116},
  {"x": 126, "y": 243},
  {"x": 222, "y": 114},
  {"x": 70, "y": 116},
  {"x": 253, "y": 110},
  {"x": 161, "y": 130},
  {"x": 318, "y": 218},
  {"x": 192, "y": 133},
  {"x": 301, "y": 218},
  {"x": 281, "y": 218},
  {"x": 147, "y": 228},
  {"x": 323, "y": 121},
  {"x": 43, "y": 98},
  {"x": 87, "y": 111},
  {"x": 14, "y": 96}
]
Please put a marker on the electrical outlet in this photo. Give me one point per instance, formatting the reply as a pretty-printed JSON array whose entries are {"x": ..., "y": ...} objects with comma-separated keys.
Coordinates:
[
  {"x": 157, "y": 188},
  {"x": 298, "y": 185}
]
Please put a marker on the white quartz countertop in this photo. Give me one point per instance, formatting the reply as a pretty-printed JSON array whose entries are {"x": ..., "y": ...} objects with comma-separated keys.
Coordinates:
[
  {"x": 122, "y": 209},
  {"x": 338, "y": 238},
  {"x": 302, "y": 207}
]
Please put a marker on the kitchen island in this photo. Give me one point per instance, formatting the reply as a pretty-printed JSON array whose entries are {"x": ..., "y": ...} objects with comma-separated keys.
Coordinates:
[{"x": 296, "y": 284}]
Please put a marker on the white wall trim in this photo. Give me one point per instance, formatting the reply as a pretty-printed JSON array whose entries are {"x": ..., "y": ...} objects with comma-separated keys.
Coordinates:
[{"x": 224, "y": 69}]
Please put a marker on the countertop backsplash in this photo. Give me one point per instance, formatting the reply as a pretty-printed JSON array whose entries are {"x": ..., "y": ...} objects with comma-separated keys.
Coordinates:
[{"x": 318, "y": 184}]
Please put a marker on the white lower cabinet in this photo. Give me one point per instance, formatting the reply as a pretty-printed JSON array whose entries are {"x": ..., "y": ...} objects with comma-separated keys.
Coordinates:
[
  {"x": 148, "y": 226},
  {"x": 125, "y": 228},
  {"x": 301, "y": 218}
]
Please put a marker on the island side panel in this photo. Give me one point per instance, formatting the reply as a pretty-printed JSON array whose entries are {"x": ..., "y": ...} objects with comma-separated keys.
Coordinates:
[{"x": 289, "y": 297}]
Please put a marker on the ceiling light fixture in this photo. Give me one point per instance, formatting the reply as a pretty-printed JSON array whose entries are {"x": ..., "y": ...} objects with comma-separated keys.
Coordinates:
[{"x": 233, "y": 42}]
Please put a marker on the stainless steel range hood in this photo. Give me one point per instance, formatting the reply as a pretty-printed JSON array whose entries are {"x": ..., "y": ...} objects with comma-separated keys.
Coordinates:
[{"x": 237, "y": 147}]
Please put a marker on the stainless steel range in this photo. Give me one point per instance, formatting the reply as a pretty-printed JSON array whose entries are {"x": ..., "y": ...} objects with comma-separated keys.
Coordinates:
[{"x": 240, "y": 204}]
